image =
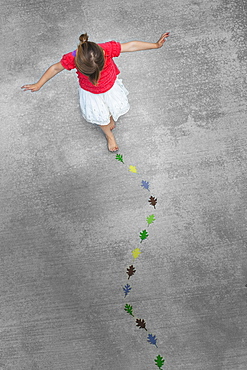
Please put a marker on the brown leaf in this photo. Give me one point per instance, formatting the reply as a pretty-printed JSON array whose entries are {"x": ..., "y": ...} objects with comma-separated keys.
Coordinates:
[
  {"x": 153, "y": 201},
  {"x": 130, "y": 271},
  {"x": 141, "y": 324}
]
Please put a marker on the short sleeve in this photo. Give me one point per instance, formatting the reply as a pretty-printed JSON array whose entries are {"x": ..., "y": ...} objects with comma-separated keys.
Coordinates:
[
  {"x": 112, "y": 48},
  {"x": 68, "y": 60}
]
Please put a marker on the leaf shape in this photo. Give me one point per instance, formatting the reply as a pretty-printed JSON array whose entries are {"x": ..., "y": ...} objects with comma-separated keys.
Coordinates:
[
  {"x": 127, "y": 288},
  {"x": 150, "y": 219},
  {"x": 132, "y": 169},
  {"x": 153, "y": 201},
  {"x": 130, "y": 271},
  {"x": 143, "y": 235},
  {"x": 136, "y": 252},
  {"x": 152, "y": 339},
  {"x": 145, "y": 185},
  {"x": 119, "y": 157},
  {"x": 141, "y": 324},
  {"x": 129, "y": 309},
  {"x": 159, "y": 361}
]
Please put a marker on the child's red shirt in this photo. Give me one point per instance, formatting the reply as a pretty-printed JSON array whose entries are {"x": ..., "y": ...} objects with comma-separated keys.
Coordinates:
[{"x": 107, "y": 76}]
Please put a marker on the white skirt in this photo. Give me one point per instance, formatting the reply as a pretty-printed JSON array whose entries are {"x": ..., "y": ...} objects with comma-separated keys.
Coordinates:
[{"x": 98, "y": 108}]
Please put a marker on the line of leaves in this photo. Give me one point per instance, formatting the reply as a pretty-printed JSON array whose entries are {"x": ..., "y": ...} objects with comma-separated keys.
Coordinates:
[{"x": 159, "y": 360}]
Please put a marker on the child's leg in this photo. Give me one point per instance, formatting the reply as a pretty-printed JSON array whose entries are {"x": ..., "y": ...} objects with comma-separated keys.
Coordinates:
[
  {"x": 112, "y": 123},
  {"x": 112, "y": 145}
]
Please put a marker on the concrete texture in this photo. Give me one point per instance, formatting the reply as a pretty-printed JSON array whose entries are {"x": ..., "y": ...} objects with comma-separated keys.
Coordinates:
[{"x": 71, "y": 214}]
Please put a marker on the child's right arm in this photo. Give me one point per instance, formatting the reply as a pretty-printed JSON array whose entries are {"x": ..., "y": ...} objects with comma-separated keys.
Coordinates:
[
  {"x": 143, "y": 45},
  {"x": 51, "y": 72}
]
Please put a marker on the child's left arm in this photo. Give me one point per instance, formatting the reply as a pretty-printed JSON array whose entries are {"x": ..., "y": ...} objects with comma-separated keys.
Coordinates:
[{"x": 141, "y": 45}]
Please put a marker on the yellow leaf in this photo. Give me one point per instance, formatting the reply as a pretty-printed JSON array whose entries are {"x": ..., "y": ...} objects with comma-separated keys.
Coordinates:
[
  {"x": 132, "y": 169},
  {"x": 136, "y": 252}
]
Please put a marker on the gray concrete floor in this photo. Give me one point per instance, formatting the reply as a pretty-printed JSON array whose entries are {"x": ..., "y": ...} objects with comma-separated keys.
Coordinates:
[{"x": 71, "y": 214}]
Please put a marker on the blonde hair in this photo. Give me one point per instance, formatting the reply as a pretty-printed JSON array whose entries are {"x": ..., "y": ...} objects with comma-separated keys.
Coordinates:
[{"x": 89, "y": 59}]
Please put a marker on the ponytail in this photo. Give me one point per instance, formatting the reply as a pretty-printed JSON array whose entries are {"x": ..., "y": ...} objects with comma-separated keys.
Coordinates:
[
  {"x": 94, "y": 78},
  {"x": 89, "y": 59},
  {"x": 83, "y": 38}
]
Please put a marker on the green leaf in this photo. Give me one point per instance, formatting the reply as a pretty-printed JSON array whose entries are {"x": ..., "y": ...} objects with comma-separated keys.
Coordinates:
[
  {"x": 119, "y": 157},
  {"x": 159, "y": 361},
  {"x": 143, "y": 235},
  {"x": 150, "y": 219},
  {"x": 129, "y": 309}
]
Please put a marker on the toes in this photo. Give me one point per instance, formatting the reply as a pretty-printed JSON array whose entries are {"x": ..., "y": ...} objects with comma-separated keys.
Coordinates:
[
  {"x": 112, "y": 145},
  {"x": 114, "y": 149}
]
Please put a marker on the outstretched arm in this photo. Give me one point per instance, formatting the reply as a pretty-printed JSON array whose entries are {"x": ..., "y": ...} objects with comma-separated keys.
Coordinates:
[
  {"x": 141, "y": 45},
  {"x": 51, "y": 72}
]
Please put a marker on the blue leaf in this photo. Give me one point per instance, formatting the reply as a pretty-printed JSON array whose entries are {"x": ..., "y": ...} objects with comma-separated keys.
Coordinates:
[
  {"x": 152, "y": 339},
  {"x": 145, "y": 185},
  {"x": 127, "y": 289}
]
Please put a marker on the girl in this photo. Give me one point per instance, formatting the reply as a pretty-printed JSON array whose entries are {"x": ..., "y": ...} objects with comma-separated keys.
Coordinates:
[{"x": 103, "y": 97}]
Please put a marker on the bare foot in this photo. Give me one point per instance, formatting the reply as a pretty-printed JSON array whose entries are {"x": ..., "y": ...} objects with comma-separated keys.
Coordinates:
[
  {"x": 112, "y": 124},
  {"x": 111, "y": 142}
]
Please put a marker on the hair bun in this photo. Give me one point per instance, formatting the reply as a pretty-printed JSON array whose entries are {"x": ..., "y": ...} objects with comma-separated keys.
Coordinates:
[{"x": 83, "y": 38}]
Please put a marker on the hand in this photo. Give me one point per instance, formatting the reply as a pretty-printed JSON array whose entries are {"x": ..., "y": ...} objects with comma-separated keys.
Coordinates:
[
  {"x": 162, "y": 39},
  {"x": 32, "y": 87}
]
